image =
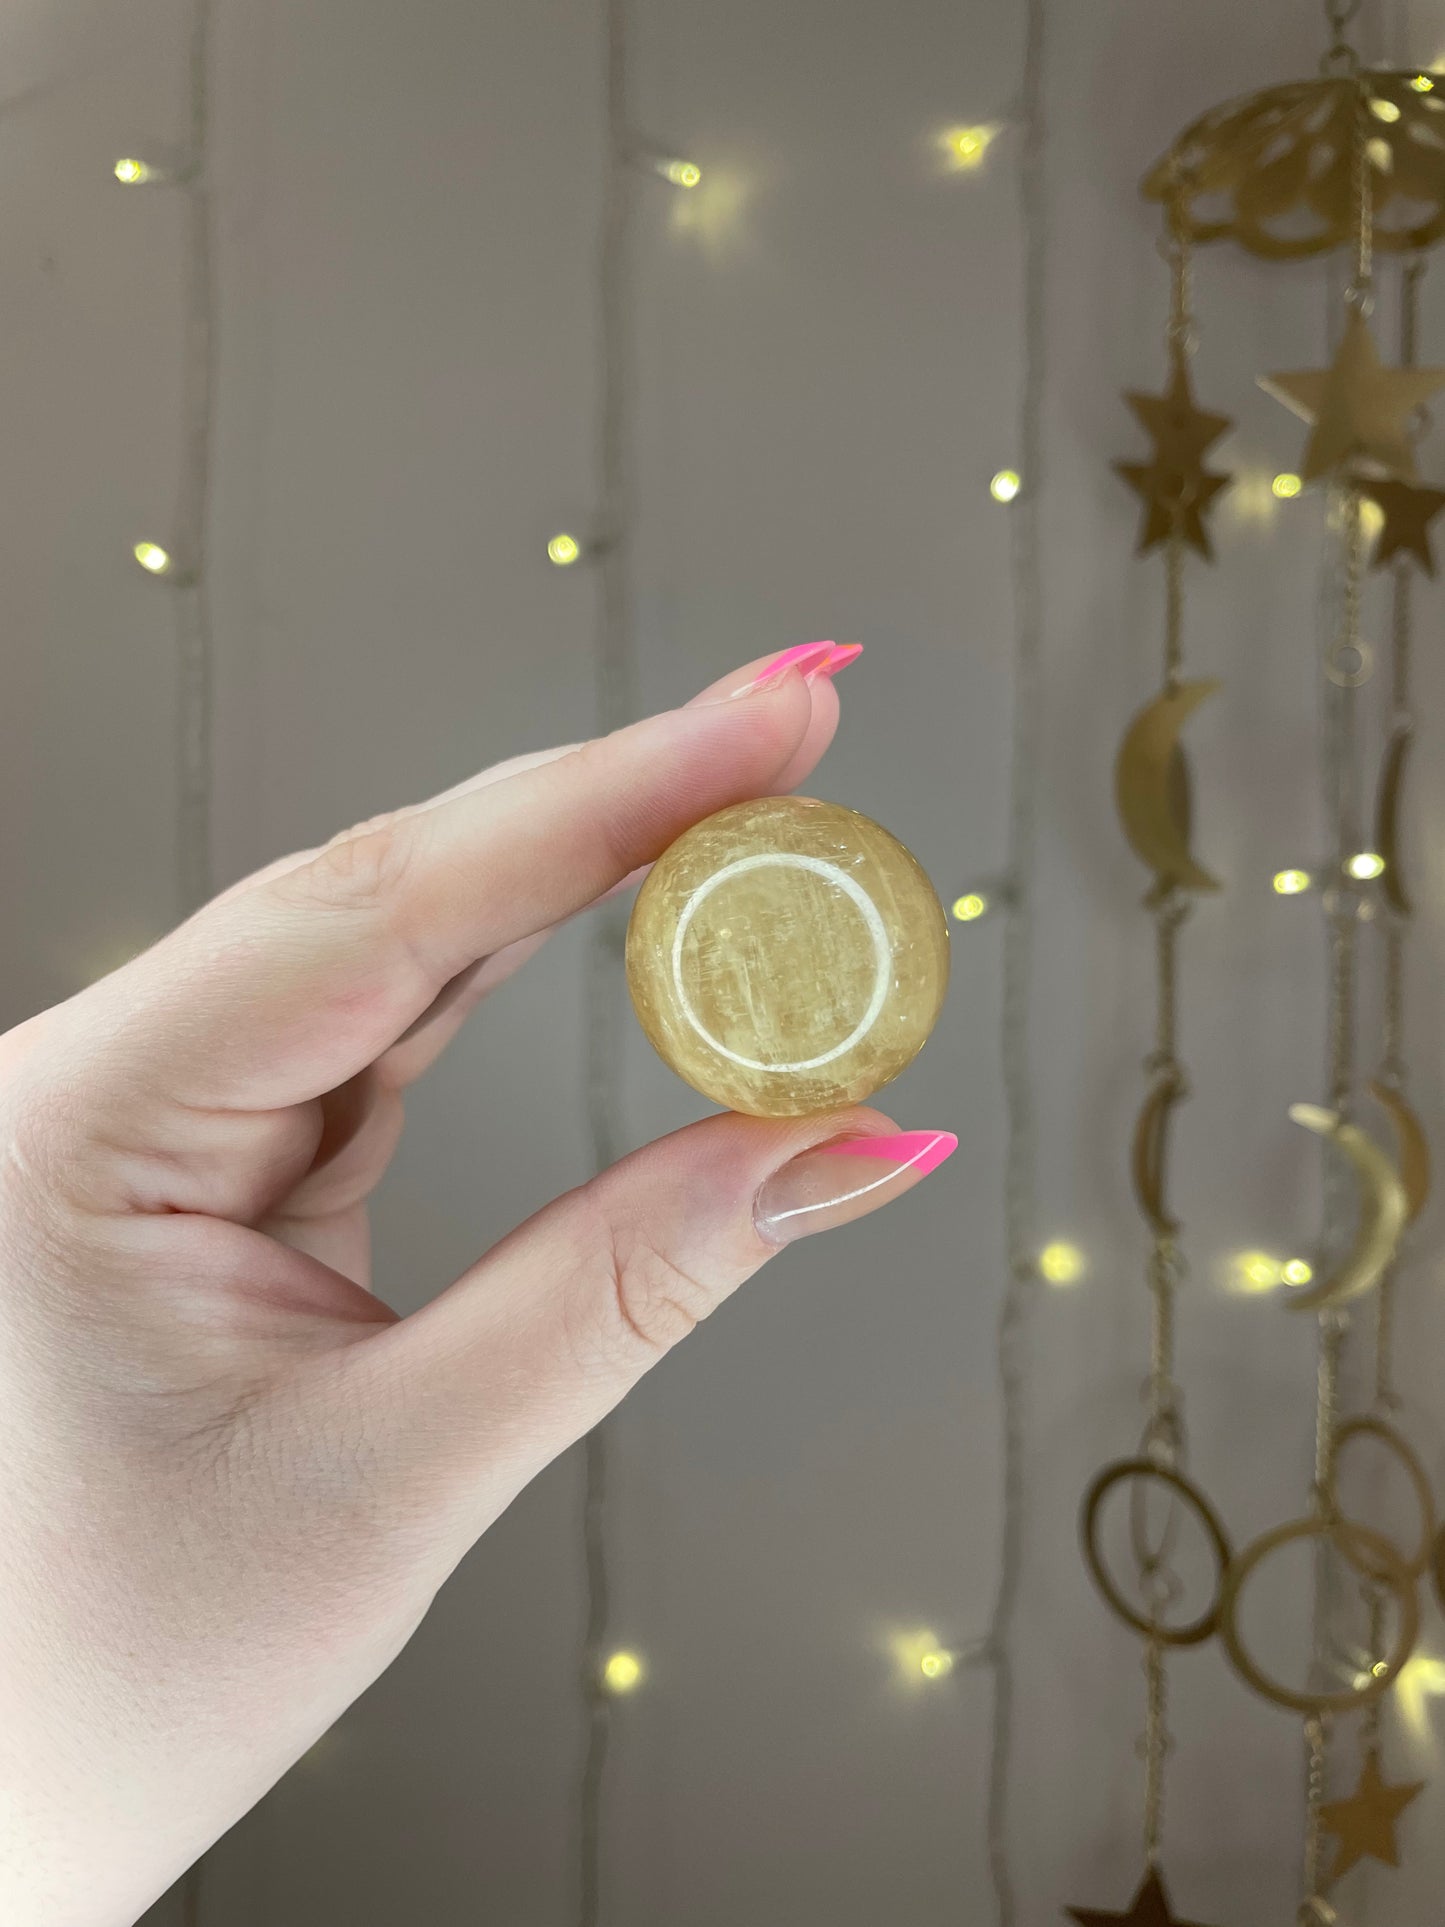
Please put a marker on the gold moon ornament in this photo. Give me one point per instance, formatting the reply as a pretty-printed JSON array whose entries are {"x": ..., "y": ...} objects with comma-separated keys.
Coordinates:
[
  {"x": 1152, "y": 789},
  {"x": 1149, "y": 1161},
  {"x": 1412, "y": 1145},
  {"x": 1387, "y": 821},
  {"x": 1383, "y": 1212}
]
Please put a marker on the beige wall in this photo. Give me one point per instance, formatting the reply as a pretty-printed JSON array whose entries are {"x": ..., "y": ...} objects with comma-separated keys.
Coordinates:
[{"x": 828, "y": 373}]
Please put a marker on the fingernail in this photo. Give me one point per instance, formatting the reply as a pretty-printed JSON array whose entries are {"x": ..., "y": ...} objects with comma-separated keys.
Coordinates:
[
  {"x": 833, "y": 1183},
  {"x": 842, "y": 654},
  {"x": 806, "y": 657}
]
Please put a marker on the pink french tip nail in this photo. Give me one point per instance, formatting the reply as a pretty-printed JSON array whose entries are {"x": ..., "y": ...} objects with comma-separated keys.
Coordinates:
[
  {"x": 840, "y": 655},
  {"x": 805, "y": 657},
  {"x": 921, "y": 1151}
]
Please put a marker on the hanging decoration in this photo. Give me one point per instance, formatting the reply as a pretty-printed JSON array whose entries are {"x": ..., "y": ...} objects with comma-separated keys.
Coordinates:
[
  {"x": 1351, "y": 160},
  {"x": 1152, "y": 791}
]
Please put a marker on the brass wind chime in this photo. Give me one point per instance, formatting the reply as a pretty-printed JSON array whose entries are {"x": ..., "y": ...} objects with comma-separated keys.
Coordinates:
[{"x": 1351, "y": 160}]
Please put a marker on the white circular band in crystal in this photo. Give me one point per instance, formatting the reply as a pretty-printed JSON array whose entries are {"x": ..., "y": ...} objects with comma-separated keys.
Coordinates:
[{"x": 882, "y": 950}]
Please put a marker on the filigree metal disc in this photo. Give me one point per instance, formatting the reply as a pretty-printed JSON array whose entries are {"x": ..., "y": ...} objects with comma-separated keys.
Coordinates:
[{"x": 1274, "y": 172}]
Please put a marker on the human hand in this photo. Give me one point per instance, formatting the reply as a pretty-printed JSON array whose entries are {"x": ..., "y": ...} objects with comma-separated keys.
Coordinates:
[{"x": 234, "y": 1479}]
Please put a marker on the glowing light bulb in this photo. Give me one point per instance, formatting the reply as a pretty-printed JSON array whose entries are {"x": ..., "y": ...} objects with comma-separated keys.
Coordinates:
[
  {"x": 1421, "y": 1678},
  {"x": 1384, "y": 110},
  {"x": 1297, "y": 1271},
  {"x": 1291, "y": 883},
  {"x": 1061, "y": 1264},
  {"x": 1366, "y": 865},
  {"x": 622, "y": 1673},
  {"x": 936, "y": 1665},
  {"x": 678, "y": 173},
  {"x": 1258, "y": 1271},
  {"x": 1005, "y": 485},
  {"x": 153, "y": 558},
  {"x": 968, "y": 146},
  {"x": 1286, "y": 485},
  {"x": 1423, "y": 84},
  {"x": 1372, "y": 517},
  {"x": 134, "y": 173},
  {"x": 564, "y": 550},
  {"x": 968, "y": 909}
]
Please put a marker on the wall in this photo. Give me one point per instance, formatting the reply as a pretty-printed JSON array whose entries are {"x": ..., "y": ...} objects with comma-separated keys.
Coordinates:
[{"x": 829, "y": 371}]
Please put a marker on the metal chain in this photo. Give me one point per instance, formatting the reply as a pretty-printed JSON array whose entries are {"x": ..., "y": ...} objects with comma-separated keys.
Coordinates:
[{"x": 1156, "y": 1745}]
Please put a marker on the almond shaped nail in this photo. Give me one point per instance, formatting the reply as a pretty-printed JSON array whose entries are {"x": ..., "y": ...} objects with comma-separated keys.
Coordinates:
[{"x": 832, "y": 1184}]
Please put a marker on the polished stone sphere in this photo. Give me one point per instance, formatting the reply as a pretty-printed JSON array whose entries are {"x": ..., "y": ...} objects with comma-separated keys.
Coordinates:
[{"x": 787, "y": 956}]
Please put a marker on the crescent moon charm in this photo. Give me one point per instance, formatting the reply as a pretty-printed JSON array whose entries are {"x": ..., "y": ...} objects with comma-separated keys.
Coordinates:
[
  {"x": 1383, "y": 1211},
  {"x": 1387, "y": 821},
  {"x": 1148, "y": 1161},
  {"x": 1412, "y": 1145},
  {"x": 1151, "y": 788}
]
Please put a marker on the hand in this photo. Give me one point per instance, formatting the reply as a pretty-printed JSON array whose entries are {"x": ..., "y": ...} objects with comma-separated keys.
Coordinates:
[{"x": 234, "y": 1479}]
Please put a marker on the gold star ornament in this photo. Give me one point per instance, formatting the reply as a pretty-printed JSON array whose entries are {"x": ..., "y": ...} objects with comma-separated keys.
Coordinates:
[
  {"x": 1408, "y": 510},
  {"x": 1358, "y": 410},
  {"x": 1364, "y": 1825},
  {"x": 1150, "y": 1909},
  {"x": 1175, "y": 487}
]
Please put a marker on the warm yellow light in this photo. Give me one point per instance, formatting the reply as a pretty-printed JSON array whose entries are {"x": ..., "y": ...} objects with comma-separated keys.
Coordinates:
[
  {"x": 1286, "y": 485},
  {"x": 1421, "y": 1679},
  {"x": 1258, "y": 1271},
  {"x": 1385, "y": 110},
  {"x": 968, "y": 908},
  {"x": 936, "y": 1665},
  {"x": 153, "y": 558},
  {"x": 622, "y": 1673},
  {"x": 1297, "y": 1271},
  {"x": 1422, "y": 84},
  {"x": 133, "y": 173},
  {"x": 1061, "y": 1263},
  {"x": 968, "y": 146},
  {"x": 1291, "y": 883},
  {"x": 563, "y": 550},
  {"x": 1372, "y": 517},
  {"x": 1366, "y": 865},
  {"x": 1005, "y": 485},
  {"x": 679, "y": 173}
]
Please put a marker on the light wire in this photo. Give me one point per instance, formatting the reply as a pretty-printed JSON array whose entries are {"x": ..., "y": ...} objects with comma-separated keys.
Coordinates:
[
  {"x": 615, "y": 689},
  {"x": 1020, "y": 1210}
]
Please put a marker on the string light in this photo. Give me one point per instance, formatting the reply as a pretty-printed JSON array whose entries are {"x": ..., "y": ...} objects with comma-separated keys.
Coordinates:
[
  {"x": 969, "y": 908},
  {"x": 623, "y": 1673},
  {"x": 1423, "y": 84},
  {"x": 678, "y": 173},
  {"x": 134, "y": 173},
  {"x": 1060, "y": 1263},
  {"x": 1286, "y": 485},
  {"x": 936, "y": 1664},
  {"x": 563, "y": 550},
  {"x": 1005, "y": 485},
  {"x": 1366, "y": 865},
  {"x": 1291, "y": 883},
  {"x": 967, "y": 147},
  {"x": 1372, "y": 517},
  {"x": 1296, "y": 1271},
  {"x": 153, "y": 558},
  {"x": 1258, "y": 1271}
]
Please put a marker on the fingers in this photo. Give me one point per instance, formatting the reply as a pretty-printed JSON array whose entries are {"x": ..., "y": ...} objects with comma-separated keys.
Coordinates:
[
  {"x": 540, "y": 1340},
  {"x": 296, "y": 983}
]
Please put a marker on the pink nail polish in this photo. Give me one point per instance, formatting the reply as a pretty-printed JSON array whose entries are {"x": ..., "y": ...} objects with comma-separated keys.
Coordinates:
[
  {"x": 806, "y": 657},
  {"x": 833, "y": 1183},
  {"x": 842, "y": 654}
]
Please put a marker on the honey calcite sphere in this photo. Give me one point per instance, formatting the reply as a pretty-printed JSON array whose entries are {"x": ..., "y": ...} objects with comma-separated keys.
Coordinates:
[{"x": 787, "y": 956}]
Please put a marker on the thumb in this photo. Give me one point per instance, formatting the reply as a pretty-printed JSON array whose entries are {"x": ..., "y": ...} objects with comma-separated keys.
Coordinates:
[{"x": 542, "y": 1338}]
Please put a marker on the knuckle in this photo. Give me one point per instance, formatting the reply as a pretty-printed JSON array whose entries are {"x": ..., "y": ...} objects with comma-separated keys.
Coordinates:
[
  {"x": 362, "y": 869},
  {"x": 654, "y": 1301}
]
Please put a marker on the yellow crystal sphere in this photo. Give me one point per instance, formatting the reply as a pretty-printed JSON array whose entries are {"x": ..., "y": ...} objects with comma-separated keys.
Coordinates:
[{"x": 787, "y": 956}]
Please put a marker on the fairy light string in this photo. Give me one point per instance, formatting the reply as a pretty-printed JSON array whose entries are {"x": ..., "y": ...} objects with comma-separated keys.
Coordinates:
[
  {"x": 615, "y": 683},
  {"x": 1020, "y": 1204}
]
